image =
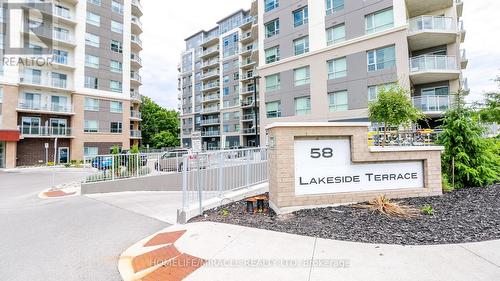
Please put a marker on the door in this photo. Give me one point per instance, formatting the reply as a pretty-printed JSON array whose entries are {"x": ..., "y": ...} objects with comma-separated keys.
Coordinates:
[
  {"x": 2, "y": 154},
  {"x": 63, "y": 155},
  {"x": 58, "y": 126}
]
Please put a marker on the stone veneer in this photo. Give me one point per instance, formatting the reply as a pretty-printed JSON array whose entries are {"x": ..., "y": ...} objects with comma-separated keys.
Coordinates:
[{"x": 282, "y": 196}]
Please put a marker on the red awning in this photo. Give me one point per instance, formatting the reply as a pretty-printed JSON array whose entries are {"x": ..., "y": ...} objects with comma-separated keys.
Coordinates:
[{"x": 9, "y": 135}]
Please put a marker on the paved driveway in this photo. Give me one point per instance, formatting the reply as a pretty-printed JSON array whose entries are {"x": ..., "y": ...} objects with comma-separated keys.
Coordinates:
[{"x": 74, "y": 238}]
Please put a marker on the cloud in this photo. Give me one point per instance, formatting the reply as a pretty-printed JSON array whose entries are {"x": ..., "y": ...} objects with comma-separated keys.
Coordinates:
[{"x": 168, "y": 23}]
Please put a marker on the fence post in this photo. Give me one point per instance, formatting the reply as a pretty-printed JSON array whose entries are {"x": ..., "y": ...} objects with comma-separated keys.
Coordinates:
[
  {"x": 221, "y": 173},
  {"x": 113, "y": 167},
  {"x": 198, "y": 183},
  {"x": 138, "y": 155},
  {"x": 184, "y": 182},
  {"x": 248, "y": 169}
]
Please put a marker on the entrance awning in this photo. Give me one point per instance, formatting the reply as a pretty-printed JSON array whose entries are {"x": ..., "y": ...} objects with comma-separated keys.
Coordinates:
[{"x": 9, "y": 135}]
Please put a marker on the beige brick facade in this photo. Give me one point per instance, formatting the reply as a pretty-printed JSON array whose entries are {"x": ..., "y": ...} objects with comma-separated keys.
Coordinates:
[{"x": 281, "y": 163}]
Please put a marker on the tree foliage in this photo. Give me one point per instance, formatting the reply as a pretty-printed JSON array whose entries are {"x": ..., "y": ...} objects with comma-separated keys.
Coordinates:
[
  {"x": 393, "y": 108},
  {"x": 468, "y": 157},
  {"x": 491, "y": 111},
  {"x": 159, "y": 126}
]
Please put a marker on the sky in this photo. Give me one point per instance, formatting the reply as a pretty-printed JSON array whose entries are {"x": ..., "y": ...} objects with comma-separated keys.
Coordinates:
[{"x": 167, "y": 23}]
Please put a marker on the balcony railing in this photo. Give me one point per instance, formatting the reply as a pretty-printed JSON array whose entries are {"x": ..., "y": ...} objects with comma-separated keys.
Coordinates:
[
  {"x": 50, "y": 82},
  {"x": 210, "y": 73},
  {"x": 273, "y": 114},
  {"x": 433, "y": 103},
  {"x": 210, "y": 62},
  {"x": 135, "y": 134},
  {"x": 432, "y": 23},
  {"x": 210, "y": 50},
  {"x": 135, "y": 96},
  {"x": 135, "y": 114},
  {"x": 62, "y": 13},
  {"x": 210, "y": 109},
  {"x": 248, "y": 130},
  {"x": 210, "y": 121},
  {"x": 248, "y": 117},
  {"x": 136, "y": 58},
  {"x": 32, "y": 131},
  {"x": 136, "y": 77},
  {"x": 210, "y": 86},
  {"x": 211, "y": 98},
  {"x": 136, "y": 39},
  {"x": 210, "y": 133},
  {"x": 137, "y": 21},
  {"x": 433, "y": 63},
  {"x": 52, "y": 107},
  {"x": 63, "y": 36}
]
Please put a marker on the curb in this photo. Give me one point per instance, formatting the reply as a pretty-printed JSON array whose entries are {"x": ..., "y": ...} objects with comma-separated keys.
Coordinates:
[{"x": 157, "y": 258}]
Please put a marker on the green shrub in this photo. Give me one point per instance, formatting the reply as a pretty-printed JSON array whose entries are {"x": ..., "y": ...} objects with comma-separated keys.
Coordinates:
[
  {"x": 446, "y": 185},
  {"x": 67, "y": 165},
  {"x": 468, "y": 159},
  {"x": 427, "y": 210}
]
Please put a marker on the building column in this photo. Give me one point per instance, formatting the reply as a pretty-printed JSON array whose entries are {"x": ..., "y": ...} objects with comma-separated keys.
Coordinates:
[{"x": 10, "y": 154}]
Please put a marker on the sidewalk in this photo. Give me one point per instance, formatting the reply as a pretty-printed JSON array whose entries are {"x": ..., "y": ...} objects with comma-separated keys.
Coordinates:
[{"x": 333, "y": 260}]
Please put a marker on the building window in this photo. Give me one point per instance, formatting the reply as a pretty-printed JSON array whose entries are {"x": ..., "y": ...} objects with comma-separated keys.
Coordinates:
[
  {"x": 59, "y": 80},
  {"x": 91, "y": 104},
  {"x": 273, "y": 109},
  {"x": 335, "y": 34},
  {"x": 116, "y": 46},
  {"x": 437, "y": 91},
  {"x": 116, "y": 107},
  {"x": 334, "y": 6},
  {"x": 62, "y": 11},
  {"x": 374, "y": 90},
  {"x": 116, "y": 86},
  {"x": 382, "y": 58},
  {"x": 117, "y": 7},
  {"x": 273, "y": 54},
  {"x": 337, "y": 68},
  {"x": 271, "y": 5},
  {"x": 95, "y": 2},
  {"x": 272, "y": 28},
  {"x": 91, "y": 82},
  {"x": 116, "y": 27},
  {"x": 60, "y": 57},
  {"x": 93, "y": 19},
  {"x": 301, "y": 75},
  {"x": 30, "y": 125},
  {"x": 90, "y": 151},
  {"x": 92, "y": 40},
  {"x": 300, "y": 16},
  {"x": 91, "y": 61},
  {"x": 116, "y": 66},
  {"x": 379, "y": 21},
  {"x": 301, "y": 45},
  {"x": 116, "y": 127},
  {"x": 338, "y": 101},
  {"x": 302, "y": 106},
  {"x": 91, "y": 126},
  {"x": 273, "y": 82}
]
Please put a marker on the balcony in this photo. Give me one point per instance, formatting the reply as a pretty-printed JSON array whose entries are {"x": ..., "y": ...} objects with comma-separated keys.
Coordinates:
[
  {"x": 211, "y": 109},
  {"x": 210, "y": 121},
  {"x": 430, "y": 31},
  {"x": 30, "y": 106},
  {"x": 246, "y": 22},
  {"x": 460, "y": 7},
  {"x": 247, "y": 76},
  {"x": 248, "y": 63},
  {"x": 136, "y": 42},
  {"x": 211, "y": 98},
  {"x": 248, "y": 118},
  {"x": 64, "y": 37},
  {"x": 210, "y": 40},
  {"x": 135, "y": 96},
  {"x": 136, "y": 61},
  {"x": 45, "y": 132},
  {"x": 433, "y": 105},
  {"x": 212, "y": 74},
  {"x": 210, "y": 133},
  {"x": 136, "y": 25},
  {"x": 463, "y": 59},
  {"x": 135, "y": 115},
  {"x": 461, "y": 31},
  {"x": 464, "y": 85},
  {"x": 46, "y": 82},
  {"x": 246, "y": 50},
  {"x": 137, "y": 8},
  {"x": 428, "y": 69},
  {"x": 210, "y": 52},
  {"x": 135, "y": 134},
  {"x": 247, "y": 102},
  {"x": 135, "y": 77},
  {"x": 421, "y": 7},
  {"x": 210, "y": 86},
  {"x": 210, "y": 63},
  {"x": 247, "y": 131},
  {"x": 246, "y": 37}
]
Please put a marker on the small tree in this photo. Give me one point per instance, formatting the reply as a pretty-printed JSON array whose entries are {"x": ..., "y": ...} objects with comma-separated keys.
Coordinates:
[
  {"x": 392, "y": 107},
  {"x": 491, "y": 111},
  {"x": 467, "y": 158}
]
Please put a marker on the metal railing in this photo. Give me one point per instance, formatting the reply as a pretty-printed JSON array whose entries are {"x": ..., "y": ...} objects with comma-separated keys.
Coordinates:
[
  {"x": 136, "y": 39},
  {"x": 438, "y": 23},
  {"x": 212, "y": 175},
  {"x": 34, "y": 131},
  {"x": 421, "y": 137},
  {"x": 52, "y": 107},
  {"x": 432, "y": 63},
  {"x": 135, "y": 134},
  {"x": 135, "y": 114},
  {"x": 210, "y": 133},
  {"x": 433, "y": 103},
  {"x": 210, "y": 121}
]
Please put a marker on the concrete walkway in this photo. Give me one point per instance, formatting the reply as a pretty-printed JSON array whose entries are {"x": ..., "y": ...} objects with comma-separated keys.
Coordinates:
[{"x": 241, "y": 253}]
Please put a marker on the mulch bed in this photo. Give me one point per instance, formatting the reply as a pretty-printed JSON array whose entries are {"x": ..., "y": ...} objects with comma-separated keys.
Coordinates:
[{"x": 467, "y": 215}]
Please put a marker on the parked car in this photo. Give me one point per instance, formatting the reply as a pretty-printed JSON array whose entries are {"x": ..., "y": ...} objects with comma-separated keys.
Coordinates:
[
  {"x": 125, "y": 159},
  {"x": 171, "y": 161},
  {"x": 102, "y": 162}
]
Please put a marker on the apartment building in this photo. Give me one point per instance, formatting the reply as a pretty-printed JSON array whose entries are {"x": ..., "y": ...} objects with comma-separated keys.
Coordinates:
[
  {"x": 217, "y": 83},
  {"x": 324, "y": 60},
  {"x": 84, "y": 98}
]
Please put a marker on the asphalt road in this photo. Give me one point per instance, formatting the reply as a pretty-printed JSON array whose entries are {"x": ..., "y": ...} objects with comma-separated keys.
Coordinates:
[{"x": 76, "y": 238}]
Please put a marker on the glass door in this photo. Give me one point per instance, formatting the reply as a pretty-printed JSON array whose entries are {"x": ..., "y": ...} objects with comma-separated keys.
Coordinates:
[
  {"x": 2, "y": 154},
  {"x": 30, "y": 125},
  {"x": 58, "y": 126},
  {"x": 59, "y": 103},
  {"x": 63, "y": 155}
]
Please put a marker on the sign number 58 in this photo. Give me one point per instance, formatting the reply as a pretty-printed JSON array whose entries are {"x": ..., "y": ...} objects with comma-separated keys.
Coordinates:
[{"x": 326, "y": 152}]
